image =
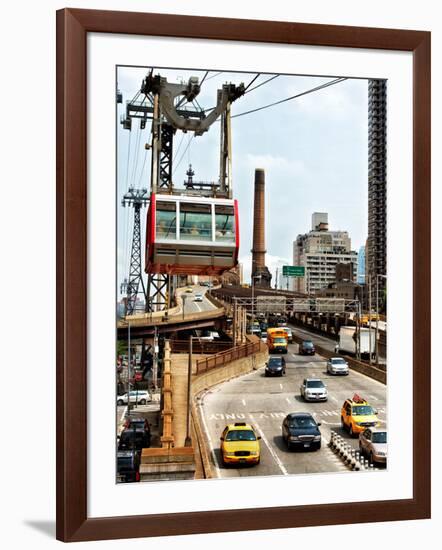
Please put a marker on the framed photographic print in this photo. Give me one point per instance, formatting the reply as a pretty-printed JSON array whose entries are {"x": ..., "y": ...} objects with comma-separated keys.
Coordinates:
[{"x": 241, "y": 320}]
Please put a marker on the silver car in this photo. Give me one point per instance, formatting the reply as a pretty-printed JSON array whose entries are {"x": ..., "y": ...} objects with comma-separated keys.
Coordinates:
[
  {"x": 313, "y": 389},
  {"x": 373, "y": 444},
  {"x": 337, "y": 365}
]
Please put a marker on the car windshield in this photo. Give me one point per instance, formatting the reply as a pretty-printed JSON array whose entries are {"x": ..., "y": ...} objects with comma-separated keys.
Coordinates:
[
  {"x": 308, "y": 344},
  {"x": 275, "y": 364},
  {"x": 124, "y": 462},
  {"x": 241, "y": 435},
  {"x": 314, "y": 384},
  {"x": 137, "y": 424},
  {"x": 338, "y": 360},
  {"x": 380, "y": 437},
  {"x": 362, "y": 410},
  {"x": 302, "y": 422},
  {"x": 279, "y": 340}
]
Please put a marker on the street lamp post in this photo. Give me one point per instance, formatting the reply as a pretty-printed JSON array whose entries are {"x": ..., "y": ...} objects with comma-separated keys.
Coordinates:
[
  {"x": 188, "y": 440},
  {"x": 253, "y": 298},
  {"x": 377, "y": 316},
  {"x": 128, "y": 368},
  {"x": 184, "y": 298},
  {"x": 369, "y": 320}
]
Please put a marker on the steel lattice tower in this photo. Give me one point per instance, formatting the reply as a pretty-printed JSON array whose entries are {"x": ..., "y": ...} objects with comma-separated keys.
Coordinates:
[{"x": 137, "y": 198}]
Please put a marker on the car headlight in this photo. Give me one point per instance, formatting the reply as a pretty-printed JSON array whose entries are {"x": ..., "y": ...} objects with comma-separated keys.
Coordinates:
[
  {"x": 254, "y": 453},
  {"x": 317, "y": 438},
  {"x": 294, "y": 438},
  {"x": 358, "y": 423}
]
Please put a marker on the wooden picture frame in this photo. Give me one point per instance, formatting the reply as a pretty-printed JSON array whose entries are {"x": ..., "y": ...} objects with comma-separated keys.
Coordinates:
[{"x": 72, "y": 28}]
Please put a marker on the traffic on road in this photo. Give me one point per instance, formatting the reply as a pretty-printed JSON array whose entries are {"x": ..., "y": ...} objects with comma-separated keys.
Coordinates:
[{"x": 292, "y": 416}]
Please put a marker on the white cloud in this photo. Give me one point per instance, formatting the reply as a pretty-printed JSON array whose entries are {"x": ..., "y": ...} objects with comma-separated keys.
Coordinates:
[{"x": 273, "y": 163}]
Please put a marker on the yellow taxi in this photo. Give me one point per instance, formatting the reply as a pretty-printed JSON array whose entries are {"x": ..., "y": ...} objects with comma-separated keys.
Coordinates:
[
  {"x": 357, "y": 415},
  {"x": 240, "y": 444}
]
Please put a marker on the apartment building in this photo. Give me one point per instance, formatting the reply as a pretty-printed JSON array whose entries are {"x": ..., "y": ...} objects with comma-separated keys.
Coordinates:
[{"x": 319, "y": 251}]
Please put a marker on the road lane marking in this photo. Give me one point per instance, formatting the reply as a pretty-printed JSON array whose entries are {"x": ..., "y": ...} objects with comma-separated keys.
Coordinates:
[
  {"x": 333, "y": 398},
  {"x": 271, "y": 450},
  {"x": 280, "y": 385},
  {"x": 288, "y": 400},
  {"x": 244, "y": 402},
  {"x": 374, "y": 397},
  {"x": 212, "y": 450},
  {"x": 124, "y": 414}
]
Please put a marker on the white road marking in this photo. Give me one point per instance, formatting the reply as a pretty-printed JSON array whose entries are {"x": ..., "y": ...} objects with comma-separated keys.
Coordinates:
[
  {"x": 244, "y": 402},
  {"x": 124, "y": 414},
  {"x": 374, "y": 397},
  {"x": 280, "y": 385},
  {"x": 288, "y": 400},
  {"x": 333, "y": 398},
  {"x": 272, "y": 452},
  {"x": 212, "y": 450}
]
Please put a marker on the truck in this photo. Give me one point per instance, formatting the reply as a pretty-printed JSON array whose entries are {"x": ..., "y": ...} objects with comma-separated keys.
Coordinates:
[
  {"x": 348, "y": 340},
  {"x": 277, "y": 340}
]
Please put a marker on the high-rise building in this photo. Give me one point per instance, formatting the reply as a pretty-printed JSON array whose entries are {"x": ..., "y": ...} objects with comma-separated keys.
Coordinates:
[
  {"x": 376, "y": 252},
  {"x": 361, "y": 266},
  {"x": 319, "y": 251}
]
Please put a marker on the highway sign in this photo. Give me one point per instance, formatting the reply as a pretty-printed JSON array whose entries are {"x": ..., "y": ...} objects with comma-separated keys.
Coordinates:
[{"x": 293, "y": 271}]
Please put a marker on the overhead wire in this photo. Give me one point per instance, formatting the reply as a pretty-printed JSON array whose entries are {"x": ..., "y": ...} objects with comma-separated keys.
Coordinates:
[
  {"x": 204, "y": 78},
  {"x": 214, "y": 75},
  {"x": 317, "y": 88},
  {"x": 261, "y": 84},
  {"x": 184, "y": 152},
  {"x": 251, "y": 82}
]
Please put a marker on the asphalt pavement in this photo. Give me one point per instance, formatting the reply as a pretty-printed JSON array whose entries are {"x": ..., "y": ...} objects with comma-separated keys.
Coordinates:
[{"x": 265, "y": 401}]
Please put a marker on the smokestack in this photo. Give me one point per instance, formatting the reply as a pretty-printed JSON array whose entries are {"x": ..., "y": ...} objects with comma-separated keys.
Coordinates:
[{"x": 259, "y": 268}]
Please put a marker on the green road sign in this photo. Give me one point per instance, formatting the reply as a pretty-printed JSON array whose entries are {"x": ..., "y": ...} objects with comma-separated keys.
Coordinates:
[{"x": 293, "y": 271}]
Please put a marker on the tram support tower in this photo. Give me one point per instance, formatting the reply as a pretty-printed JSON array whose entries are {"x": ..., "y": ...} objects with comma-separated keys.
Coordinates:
[
  {"x": 135, "y": 198},
  {"x": 261, "y": 275}
]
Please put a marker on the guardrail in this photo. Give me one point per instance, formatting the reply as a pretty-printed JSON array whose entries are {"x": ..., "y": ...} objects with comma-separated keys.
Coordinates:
[
  {"x": 224, "y": 357},
  {"x": 199, "y": 346}
]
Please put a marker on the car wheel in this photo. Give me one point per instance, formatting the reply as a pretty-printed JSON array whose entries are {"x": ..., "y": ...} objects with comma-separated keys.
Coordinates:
[
  {"x": 342, "y": 422},
  {"x": 319, "y": 446},
  {"x": 142, "y": 402},
  {"x": 370, "y": 458},
  {"x": 120, "y": 402},
  {"x": 350, "y": 431}
]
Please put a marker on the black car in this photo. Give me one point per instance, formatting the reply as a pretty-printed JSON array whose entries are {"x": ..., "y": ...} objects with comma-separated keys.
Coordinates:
[
  {"x": 139, "y": 423},
  {"x": 306, "y": 347},
  {"x": 300, "y": 430},
  {"x": 133, "y": 439},
  {"x": 128, "y": 466},
  {"x": 275, "y": 366}
]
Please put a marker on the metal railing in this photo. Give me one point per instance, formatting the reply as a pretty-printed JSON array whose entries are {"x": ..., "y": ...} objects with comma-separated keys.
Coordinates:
[
  {"x": 232, "y": 354},
  {"x": 200, "y": 346}
]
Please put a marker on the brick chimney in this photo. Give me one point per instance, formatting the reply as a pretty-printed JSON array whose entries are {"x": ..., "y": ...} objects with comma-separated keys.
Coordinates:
[{"x": 259, "y": 268}]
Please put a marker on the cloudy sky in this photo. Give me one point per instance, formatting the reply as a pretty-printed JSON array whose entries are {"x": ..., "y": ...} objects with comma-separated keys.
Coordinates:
[{"x": 313, "y": 150}]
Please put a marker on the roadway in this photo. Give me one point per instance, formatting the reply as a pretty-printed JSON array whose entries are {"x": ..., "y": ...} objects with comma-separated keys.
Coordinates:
[
  {"x": 190, "y": 305},
  {"x": 327, "y": 342},
  {"x": 265, "y": 402}
]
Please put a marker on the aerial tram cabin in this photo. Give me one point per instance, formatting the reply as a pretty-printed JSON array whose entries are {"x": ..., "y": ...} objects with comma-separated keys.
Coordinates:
[{"x": 191, "y": 235}]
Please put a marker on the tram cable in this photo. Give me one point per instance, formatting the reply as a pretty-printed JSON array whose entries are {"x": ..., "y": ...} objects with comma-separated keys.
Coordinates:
[{"x": 317, "y": 88}]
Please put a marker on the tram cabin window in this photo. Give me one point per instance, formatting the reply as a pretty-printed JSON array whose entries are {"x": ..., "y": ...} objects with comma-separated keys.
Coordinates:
[
  {"x": 195, "y": 222},
  {"x": 224, "y": 223},
  {"x": 166, "y": 220}
]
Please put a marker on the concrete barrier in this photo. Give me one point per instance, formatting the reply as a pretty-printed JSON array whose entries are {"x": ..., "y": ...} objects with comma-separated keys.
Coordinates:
[{"x": 370, "y": 371}]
